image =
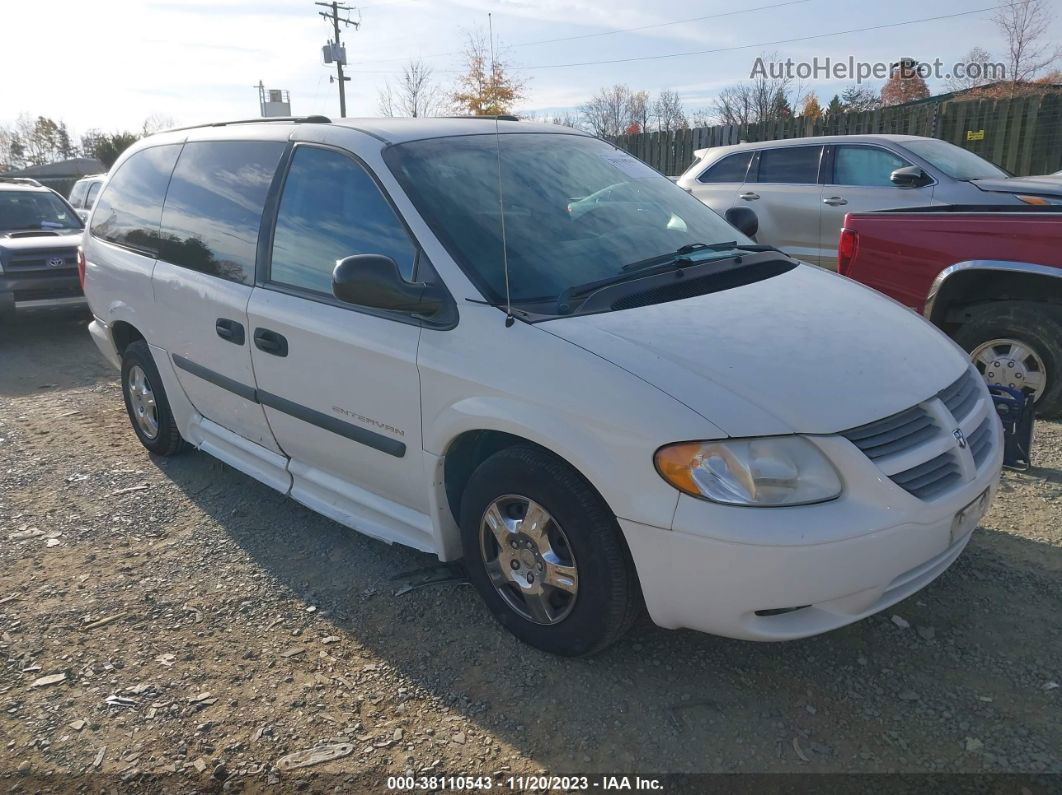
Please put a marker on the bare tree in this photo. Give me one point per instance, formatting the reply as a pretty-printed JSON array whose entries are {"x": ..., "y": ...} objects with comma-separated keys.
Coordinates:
[
  {"x": 669, "y": 112},
  {"x": 764, "y": 98},
  {"x": 979, "y": 56},
  {"x": 611, "y": 111},
  {"x": 157, "y": 122},
  {"x": 416, "y": 93},
  {"x": 1024, "y": 24},
  {"x": 485, "y": 88},
  {"x": 859, "y": 98}
]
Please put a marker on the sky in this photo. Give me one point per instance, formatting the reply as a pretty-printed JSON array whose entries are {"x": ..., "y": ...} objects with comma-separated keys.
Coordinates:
[{"x": 195, "y": 61}]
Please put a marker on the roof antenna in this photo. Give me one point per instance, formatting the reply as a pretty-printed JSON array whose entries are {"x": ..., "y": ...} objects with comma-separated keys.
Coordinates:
[{"x": 501, "y": 197}]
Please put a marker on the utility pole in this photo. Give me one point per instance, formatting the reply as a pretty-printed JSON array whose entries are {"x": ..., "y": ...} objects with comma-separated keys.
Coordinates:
[{"x": 332, "y": 15}]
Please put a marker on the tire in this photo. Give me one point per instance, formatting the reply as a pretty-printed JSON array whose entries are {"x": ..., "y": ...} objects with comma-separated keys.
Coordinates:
[
  {"x": 166, "y": 439},
  {"x": 582, "y": 532},
  {"x": 1035, "y": 325}
]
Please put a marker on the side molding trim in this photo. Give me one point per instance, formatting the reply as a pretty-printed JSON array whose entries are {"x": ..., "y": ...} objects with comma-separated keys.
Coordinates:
[{"x": 347, "y": 430}]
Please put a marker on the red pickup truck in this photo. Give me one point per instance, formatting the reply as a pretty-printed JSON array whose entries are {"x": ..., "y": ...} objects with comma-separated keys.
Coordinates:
[{"x": 991, "y": 278}]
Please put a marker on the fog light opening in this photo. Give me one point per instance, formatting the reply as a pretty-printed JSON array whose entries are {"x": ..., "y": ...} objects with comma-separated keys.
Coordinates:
[{"x": 778, "y": 611}]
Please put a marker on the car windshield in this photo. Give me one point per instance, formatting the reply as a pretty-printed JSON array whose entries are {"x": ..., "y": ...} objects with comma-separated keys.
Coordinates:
[
  {"x": 577, "y": 210},
  {"x": 23, "y": 209},
  {"x": 956, "y": 162}
]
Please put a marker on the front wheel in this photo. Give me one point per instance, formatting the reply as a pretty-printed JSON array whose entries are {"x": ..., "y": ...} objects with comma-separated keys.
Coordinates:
[
  {"x": 546, "y": 554},
  {"x": 1018, "y": 344}
]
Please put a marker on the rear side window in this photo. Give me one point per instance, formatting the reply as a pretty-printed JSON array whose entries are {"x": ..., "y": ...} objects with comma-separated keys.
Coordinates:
[
  {"x": 729, "y": 169},
  {"x": 865, "y": 165},
  {"x": 129, "y": 210},
  {"x": 791, "y": 164},
  {"x": 332, "y": 209},
  {"x": 93, "y": 192},
  {"x": 214, "y": 206},
  {"x": 77, "y": 194}
]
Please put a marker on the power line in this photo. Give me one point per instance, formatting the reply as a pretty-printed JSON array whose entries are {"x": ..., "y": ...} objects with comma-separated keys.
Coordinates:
[
  {"x": 765, "y": 43},
  {"x": 613, "y": 32}
]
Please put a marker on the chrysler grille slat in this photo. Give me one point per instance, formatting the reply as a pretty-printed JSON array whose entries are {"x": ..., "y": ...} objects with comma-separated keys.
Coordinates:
[{"x": 893, "y": 434}]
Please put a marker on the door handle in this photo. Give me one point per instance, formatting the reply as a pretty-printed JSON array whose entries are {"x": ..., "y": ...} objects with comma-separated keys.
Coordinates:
[
  {"x": 835, "y": 201},
  {"x": 270, "y": 342},
  {"x": 750, "y": 196},
  {"x": 229, "y": 330}
]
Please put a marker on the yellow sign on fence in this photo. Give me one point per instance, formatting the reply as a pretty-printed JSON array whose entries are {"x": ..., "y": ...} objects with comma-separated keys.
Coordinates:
[{"x": 975, "y": 135}]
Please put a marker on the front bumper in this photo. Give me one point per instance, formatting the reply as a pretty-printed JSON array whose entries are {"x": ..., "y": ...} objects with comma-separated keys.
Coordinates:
[
  {"x": 34, "y": 291},
  {"x": 721, "y": 567}
]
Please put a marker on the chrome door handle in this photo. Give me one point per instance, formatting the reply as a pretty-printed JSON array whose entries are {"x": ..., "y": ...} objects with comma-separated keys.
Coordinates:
[
  {"x": 748, "y": 196},
  {"x": 835, "y": 201}
]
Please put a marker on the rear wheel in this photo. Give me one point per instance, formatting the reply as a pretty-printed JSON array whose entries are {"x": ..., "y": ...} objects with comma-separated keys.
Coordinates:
[
  {"x": 546, "y": 554},
  {"x": 1018, "y": 344},
  {"x": 146, "y": 403}
]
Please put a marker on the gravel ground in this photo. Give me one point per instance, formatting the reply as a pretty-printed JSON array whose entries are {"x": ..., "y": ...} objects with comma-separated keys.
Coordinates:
[{"x": 204, "y": 627}]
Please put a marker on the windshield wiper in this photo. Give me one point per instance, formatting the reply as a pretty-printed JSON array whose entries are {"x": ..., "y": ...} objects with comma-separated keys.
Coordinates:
[
  {"x": 680, "y": 254},
  {"x": 662, "y": 263}
]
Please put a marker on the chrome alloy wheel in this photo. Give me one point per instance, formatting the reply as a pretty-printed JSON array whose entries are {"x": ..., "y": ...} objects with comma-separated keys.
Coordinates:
[
  {"x": 142, "y": 400},
  {"x": 1011, "y": 363},
  {"x": 528, "y": 559}
]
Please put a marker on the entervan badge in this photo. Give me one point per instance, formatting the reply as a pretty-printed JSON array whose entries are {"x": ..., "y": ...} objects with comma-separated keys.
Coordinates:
[
  {"x": 960, "y": 437},
  {"x": 56, "y": 262}
]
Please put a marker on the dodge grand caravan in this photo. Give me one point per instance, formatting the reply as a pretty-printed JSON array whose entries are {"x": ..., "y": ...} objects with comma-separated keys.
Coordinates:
[{"x": 404, "y": 325}]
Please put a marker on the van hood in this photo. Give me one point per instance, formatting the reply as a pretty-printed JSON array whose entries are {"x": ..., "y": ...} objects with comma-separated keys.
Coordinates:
[{"x": 807, "y": 351}]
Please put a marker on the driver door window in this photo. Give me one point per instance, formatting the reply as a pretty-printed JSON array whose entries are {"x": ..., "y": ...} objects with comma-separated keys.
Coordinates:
[{"x": 331, "y": 209}]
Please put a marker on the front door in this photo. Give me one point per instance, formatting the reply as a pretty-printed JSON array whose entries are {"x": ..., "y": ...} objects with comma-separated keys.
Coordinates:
[
  {"x": 860, "y": 183},
  {"x": 786, "y": 197},
  {"x": 339, "y": 383}
]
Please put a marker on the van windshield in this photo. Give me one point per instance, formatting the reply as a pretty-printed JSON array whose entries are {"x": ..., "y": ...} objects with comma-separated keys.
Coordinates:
[{"x": 577, "y": 210}]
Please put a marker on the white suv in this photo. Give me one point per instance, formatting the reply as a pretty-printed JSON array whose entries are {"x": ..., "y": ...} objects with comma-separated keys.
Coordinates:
[{"x": 668, "y": 414}]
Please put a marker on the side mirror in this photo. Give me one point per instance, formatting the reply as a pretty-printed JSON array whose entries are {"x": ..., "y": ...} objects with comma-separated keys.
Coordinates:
[
  {"x": 373, "y": 280},
  {"x": 908, "y": 177},
  {"x": 743, "y": 219}
]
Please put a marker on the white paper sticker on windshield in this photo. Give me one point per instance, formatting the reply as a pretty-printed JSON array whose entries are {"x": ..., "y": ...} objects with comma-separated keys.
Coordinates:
[{"x": 629, "y": 165}]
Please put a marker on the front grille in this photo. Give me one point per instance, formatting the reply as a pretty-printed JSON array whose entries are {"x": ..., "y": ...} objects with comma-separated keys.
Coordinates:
[
  {"x": 980, "y": 441},
  {"x": 961, "y": 397},
  {"x": 908, "y": 446},
  {"x": 40, "y": 260},
  {"x": 893, "y": 434},
  {"x": 934, "y": 477}
]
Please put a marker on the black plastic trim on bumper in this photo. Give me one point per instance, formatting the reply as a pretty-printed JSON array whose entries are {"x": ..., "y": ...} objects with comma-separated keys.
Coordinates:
[{"x": 345, "y": 429}]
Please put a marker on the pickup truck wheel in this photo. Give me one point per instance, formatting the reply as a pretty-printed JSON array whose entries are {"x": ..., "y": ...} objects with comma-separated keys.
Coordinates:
[
  {"x": 546, "y": 554},
  {"x": 1019, "y": 344},
  {"x": 146, "y": 403}
]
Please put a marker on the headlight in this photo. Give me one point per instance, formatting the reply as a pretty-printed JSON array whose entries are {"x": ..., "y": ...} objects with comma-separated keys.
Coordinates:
[{"x": 771, "y": 471}]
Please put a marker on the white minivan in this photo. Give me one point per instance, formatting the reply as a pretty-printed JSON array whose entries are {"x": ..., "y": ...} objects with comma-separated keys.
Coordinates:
[{"x": 516, "y": 345}]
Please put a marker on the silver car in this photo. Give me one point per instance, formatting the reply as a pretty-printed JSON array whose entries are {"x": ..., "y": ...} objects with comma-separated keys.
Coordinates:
[
  {"x": 801, "y": 188},
  {"x": 83, "y": 194}
]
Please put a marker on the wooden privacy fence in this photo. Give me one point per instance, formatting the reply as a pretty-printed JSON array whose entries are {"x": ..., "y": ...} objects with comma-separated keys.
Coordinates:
[{"x": 1023, "y": 134}]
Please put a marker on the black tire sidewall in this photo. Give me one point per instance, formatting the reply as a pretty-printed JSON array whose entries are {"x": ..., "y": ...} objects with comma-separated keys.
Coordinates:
[
  {"x": 605, "y": 573},
  {"x": 1038, "y": 326},
  {"x": 167, "y": 441}
]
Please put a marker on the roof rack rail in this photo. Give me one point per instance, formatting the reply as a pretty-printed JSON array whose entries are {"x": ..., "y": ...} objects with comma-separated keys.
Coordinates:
[
  {"x": 499, "y": 117},
  {"x": 294, "y": 119},
  {"x": 22, "y": 181}
]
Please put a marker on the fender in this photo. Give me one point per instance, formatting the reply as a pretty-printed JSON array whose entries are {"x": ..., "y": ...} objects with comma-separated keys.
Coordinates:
[
  {"x": 983, "y": 265},
  {"x": 617, "y": 461}
]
